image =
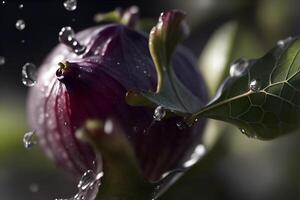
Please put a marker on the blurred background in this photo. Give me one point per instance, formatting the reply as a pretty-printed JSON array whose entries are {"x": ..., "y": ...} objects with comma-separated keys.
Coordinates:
[{"x": 236, "y": 167}]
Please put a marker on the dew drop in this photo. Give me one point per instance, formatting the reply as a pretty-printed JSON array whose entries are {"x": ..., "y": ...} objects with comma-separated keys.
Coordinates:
[
  {"x": 254, "y": 86},
  {"x": 67, "y": 37},
  {"x": 29, "y": 75},
  {"x": 2, "y": 60},
  {"x": 70, "y": 5},
  {"x": 159, "y": 113},
  {"x": 238, "y": 67},
  {"x": 29, "y": 140},
  {"x": 20, "y": 24},
  {"x": 282, "y": 43}
]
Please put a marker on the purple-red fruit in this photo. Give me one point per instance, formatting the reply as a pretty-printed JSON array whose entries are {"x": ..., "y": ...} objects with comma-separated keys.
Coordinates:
[{"x": 94, "y": 85}]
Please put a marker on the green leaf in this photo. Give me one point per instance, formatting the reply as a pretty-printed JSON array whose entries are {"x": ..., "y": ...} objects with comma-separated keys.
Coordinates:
[
  {"x": 271, "y": 108},
  {"x": 122, "y": 178},
  {"x": 170, "y": 30}
]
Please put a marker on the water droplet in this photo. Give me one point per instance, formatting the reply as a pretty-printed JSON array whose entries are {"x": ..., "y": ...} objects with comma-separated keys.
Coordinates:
[
  {"x": 21, "y": 6},
  {"x": 33, "y": 187},
  {"x": 20, "y": 24},
  {"x": 198, "y": 153},
  {"x": 67, "y": 37},
  {"x": 29, "y": 74},
  {"x": 3, "y": 2},
  {"x": 282, "y": 43},
  {"x": 29, "y": 140},
  {"x": 70, "y": 5},
  {"x": 159, "y": 113},
  {"x": 254, "y": 85},
  {"x": 86, "y": 180},
  {"x": 181, "y": 125},
  {"x": 238, "y": 67},
  {"x": 2, "y": 60}
]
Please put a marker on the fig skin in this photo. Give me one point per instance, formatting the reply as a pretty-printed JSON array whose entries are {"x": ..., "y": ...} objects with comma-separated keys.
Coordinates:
[{"x": 94, "y": 85}]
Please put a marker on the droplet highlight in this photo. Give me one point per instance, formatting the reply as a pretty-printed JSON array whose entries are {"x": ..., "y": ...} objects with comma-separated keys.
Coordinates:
[
  {"x": 254, "y": 86},
  {"x": 29, "y": 140},
  {"x": 284, "y": 42},
  {"x": 29, "y": 75},
  {"x": 67, "y": 37},
  {"x": 21, "y": 6},
  {"x": 238, "y": 67},
  {"x": 2, "y": 60},
  {"x": 198, "y": 153},
  {"x": 70, "y": 5},
  {"x": 20, "y": 24},
  {"x": 159, "y": 113}
]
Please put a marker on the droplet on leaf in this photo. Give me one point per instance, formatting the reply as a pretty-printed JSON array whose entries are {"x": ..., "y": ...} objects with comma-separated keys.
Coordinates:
[
  {"x": 238, "y": 67},
  {"x": 254, "y": 85}
]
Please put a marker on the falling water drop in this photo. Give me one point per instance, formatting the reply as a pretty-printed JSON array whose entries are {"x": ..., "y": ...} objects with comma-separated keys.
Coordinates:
[
  {"x": 2, "y": 60},
  {"x": 238, "y": 67},
  {"x": 67, "y": 37},
  {"x": 159, "y": 113},
  {"x": 282, "y": 43},
  {"x": 70, "y": 5},
  {"x": 29, "y": 74},
  {"x": 29, "y": 140},
  {"x": 254, "y": 86},
  {"x": 20, "y": 24}
]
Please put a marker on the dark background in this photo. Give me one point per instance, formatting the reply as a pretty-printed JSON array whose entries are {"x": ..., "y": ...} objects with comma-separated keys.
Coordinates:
[{"x": 237, "y": 168}]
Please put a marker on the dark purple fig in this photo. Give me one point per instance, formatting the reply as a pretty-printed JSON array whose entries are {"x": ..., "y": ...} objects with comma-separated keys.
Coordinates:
[{"x": 93, "y": 85}]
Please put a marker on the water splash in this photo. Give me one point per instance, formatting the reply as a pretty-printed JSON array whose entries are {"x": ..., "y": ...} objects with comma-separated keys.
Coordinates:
[
  {"x": 29, "y": 75},
  {"x": 20, "y": 24},
  {"x": 238, "y": 67},
  {"x": 70, "y": 5},
  {"x": 87, "y": 186},
  {"x": 254, "y": 86},
  {"x": 2, "y": 60},
  {"x": 67, "y": 37},
  {"x": 29, "y": 139},
  {"x": 159, "y": 113}
]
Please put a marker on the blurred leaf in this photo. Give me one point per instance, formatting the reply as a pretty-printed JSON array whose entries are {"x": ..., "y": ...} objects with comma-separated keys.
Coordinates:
[
  {"x": 231, "y": 41},
  {"x": 263, "y": 101}
]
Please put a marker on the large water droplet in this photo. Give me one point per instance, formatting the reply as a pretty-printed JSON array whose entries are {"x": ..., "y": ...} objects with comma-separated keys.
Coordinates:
[
  {"x": 282, "y": 43},
  {"x": 70, "y": 5},
  {"x": 254, "y": 86},
  {"x": 67, "y": 37},
  {"x": 238, "y": 67},
  {"x": 20, "y": 24},
  {"x": 29, "y": 74},
  {"x": 29, "y": 140},
  {"x": 2, "y": 60},
  {"x": 159, "y": 113}
]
